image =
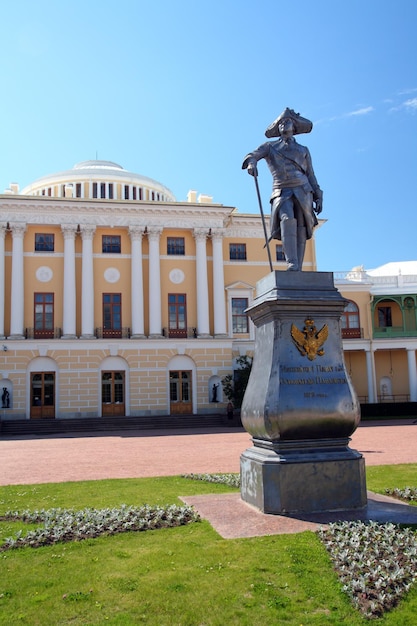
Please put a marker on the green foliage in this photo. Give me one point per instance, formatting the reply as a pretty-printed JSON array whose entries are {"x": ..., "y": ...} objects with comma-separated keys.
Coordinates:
[
  {"x": 382, "y": 477},
  {"x": 185, "y": 575},
  {"x": 234, "y": 386}
]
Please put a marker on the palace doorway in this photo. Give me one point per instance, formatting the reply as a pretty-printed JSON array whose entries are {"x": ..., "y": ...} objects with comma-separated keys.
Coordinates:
[
  {"x": 42, "y": 395},
  {"x": 180, "y": 392},
  {"x": 112, "y": 394}
]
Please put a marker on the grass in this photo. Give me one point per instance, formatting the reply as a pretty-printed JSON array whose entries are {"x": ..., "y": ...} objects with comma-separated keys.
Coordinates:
[{"x": 185, "y": 576}]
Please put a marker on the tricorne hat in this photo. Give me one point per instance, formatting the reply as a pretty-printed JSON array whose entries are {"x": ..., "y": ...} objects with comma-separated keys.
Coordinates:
[{"x": 301, "y": 124}]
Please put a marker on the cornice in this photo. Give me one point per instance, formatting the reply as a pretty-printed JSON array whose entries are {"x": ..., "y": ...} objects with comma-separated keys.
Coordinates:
[{"x": 112, "y": 213}]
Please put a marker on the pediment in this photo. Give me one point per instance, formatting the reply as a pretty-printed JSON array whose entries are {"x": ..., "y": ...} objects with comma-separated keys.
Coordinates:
[{"x": 240, "y": 284}]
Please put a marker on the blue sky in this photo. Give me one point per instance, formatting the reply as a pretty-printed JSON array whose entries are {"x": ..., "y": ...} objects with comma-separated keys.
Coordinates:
[{"x": 181, "y": 91}]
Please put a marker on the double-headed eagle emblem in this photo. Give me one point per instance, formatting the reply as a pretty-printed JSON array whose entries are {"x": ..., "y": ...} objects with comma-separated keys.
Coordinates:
[{"x": 309, "y": 341}]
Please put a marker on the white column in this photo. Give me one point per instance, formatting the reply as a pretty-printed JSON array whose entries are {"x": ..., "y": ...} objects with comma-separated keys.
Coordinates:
[
  {"x": 2, "y": 236},
  {"x": 155, "y": 319},
  {"x": 69, "y": 302},
  {"x": 136, "y": 233},
  {"x": 87, "y": 283},
  {"x": 219, "y": 304},
  {"x": 370, "y": 372},
  {"x": 203, "y": 325},
  {"x": 412, "y": 374},
  {"x": 17, "y": 299}
]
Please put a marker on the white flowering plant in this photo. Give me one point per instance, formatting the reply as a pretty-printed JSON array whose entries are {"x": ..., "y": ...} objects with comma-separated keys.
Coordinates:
[{"x": 63, "y": 525}]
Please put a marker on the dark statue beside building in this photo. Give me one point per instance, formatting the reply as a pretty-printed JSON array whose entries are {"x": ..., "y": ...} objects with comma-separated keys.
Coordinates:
[
  {"x": 296, "y": 196},
  {"x": 300, "y": 406}
]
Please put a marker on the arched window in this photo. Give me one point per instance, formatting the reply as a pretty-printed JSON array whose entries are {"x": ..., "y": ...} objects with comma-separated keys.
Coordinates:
[{"x": 350, "y": 321}]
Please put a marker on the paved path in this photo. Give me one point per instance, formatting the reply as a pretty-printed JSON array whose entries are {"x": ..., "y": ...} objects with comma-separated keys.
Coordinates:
[{"x": 136, "y": 454}]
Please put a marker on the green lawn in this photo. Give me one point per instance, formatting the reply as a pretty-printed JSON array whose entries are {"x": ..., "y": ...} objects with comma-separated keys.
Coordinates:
[{"x": 180, "y": 576}]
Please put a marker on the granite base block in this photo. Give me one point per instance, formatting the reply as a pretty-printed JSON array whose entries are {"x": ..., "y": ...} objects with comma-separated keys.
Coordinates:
[{"x": 303, "y": 485}]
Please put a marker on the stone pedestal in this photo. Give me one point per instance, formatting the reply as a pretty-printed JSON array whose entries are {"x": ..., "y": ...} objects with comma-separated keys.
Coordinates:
[{"x": 300, "y": 406}]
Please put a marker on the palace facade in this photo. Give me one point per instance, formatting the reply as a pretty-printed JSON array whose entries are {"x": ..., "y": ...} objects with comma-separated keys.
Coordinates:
[{"x": 117, "y": 299}]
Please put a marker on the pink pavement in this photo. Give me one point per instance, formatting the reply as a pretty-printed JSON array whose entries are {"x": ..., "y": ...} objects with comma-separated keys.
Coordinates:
[{"x": 137, "y": 454}]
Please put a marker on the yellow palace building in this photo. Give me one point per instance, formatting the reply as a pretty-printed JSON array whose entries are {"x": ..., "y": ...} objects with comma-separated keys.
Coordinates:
[{"x": 118, "y": 300}]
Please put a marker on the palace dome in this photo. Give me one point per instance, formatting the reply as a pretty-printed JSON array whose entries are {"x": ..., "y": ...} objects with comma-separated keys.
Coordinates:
[{"x": 99, "y": 180}]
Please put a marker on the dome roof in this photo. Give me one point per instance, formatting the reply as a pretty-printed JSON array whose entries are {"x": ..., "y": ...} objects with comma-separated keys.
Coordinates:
[{"x": 98, "y": 172}]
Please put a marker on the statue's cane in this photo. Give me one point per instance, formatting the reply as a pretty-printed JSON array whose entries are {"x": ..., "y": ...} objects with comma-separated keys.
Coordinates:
[{"x": 263, "y": 220}]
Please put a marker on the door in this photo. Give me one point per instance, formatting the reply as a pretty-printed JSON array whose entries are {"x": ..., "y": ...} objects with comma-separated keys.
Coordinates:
[
  {"x": 180, "y": 392},
  {"x": 42, "y": 395},
  {"x": 112, "y": 393}
]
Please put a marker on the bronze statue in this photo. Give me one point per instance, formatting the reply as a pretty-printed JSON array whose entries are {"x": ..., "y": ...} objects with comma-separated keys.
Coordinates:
[{"x": 296, "y": 195}]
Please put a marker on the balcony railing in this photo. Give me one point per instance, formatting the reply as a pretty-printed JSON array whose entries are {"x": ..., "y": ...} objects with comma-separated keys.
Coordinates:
[
  {"x": 111, "y": 333},
  {"x": 387, "y": 332},
  {"x": 394, "y": 398},
  {"x": 35, "y": 333},
  {"x": 180, "y": 333},
  {"x": 352, "y": 333}
]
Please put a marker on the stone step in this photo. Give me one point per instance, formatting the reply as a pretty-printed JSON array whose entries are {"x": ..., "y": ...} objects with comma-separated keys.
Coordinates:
[{"x": 107, "y": 424}]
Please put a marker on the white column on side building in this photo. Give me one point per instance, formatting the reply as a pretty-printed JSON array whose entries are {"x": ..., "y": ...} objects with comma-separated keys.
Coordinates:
[
  {"x": 219, "y": 303},
  {"x": 412, "y": 373},
  {"x": 2, "y": 237},
  {"x": 69, "y": 302},
  {"x": 370, "y": 373},
  {"x": 87, "y": 283},
  {"x": 203, "y": 324},
  {"x": 136, "y": 234},
  {"x": 155, "y": 319},
  {"x": 17, "y": 295}
]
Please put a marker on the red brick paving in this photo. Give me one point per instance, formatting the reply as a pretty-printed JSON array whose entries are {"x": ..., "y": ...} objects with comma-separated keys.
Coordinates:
[{"x": 136, "y": 454}]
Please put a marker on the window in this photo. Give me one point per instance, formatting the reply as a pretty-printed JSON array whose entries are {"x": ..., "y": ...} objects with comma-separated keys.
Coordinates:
[
  {"x": 78, "y": 190},
  {"x": 94, "y": 190},
  {"x": 112, "y": 387},
  {"x": 240, "y": 322},
  {"x": 177, "y": 314},
  {"x": 350, "y": 317},
  {"x": 112, "y": 314},
  {"x": 43, "y": 315},
  {"x": 175, "y": 245},
  {"x": 44, "y": 242},
  {"x": 134, "y": 193},
  {"x": 280, "y": 256},
  {"x": 126, "y": 192},
  {"x": 237, "y": 251},
  {"x": 111, "y": 244},
  {"x": 350, "y": 322},
  {"x": 111, "y": 191},
  {"x": 102, "y": 190}
]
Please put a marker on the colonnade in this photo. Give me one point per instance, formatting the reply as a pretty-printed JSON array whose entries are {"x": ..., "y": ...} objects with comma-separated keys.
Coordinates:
[
  {"x": 371, "y": 373},
  {"x": 137, "y": 300}
]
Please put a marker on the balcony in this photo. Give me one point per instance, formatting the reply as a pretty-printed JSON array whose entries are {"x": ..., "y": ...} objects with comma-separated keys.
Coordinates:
[
  {"x": 112, "y": 333},
  {"x": 352, "y": 333},
  {"x": 35, "y": 333},
  {"x": 180, "y": 333},
  {"x": 390, "y": 332}
]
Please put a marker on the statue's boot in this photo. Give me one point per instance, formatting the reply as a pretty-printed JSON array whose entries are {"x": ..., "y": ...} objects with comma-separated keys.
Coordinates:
[
  {"x": 289, "y": 242},
  {"x": 301, "y": 245}
]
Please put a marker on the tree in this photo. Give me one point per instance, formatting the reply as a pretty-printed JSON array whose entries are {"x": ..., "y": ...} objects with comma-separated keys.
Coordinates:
[{"x": 234, "y": 385}]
